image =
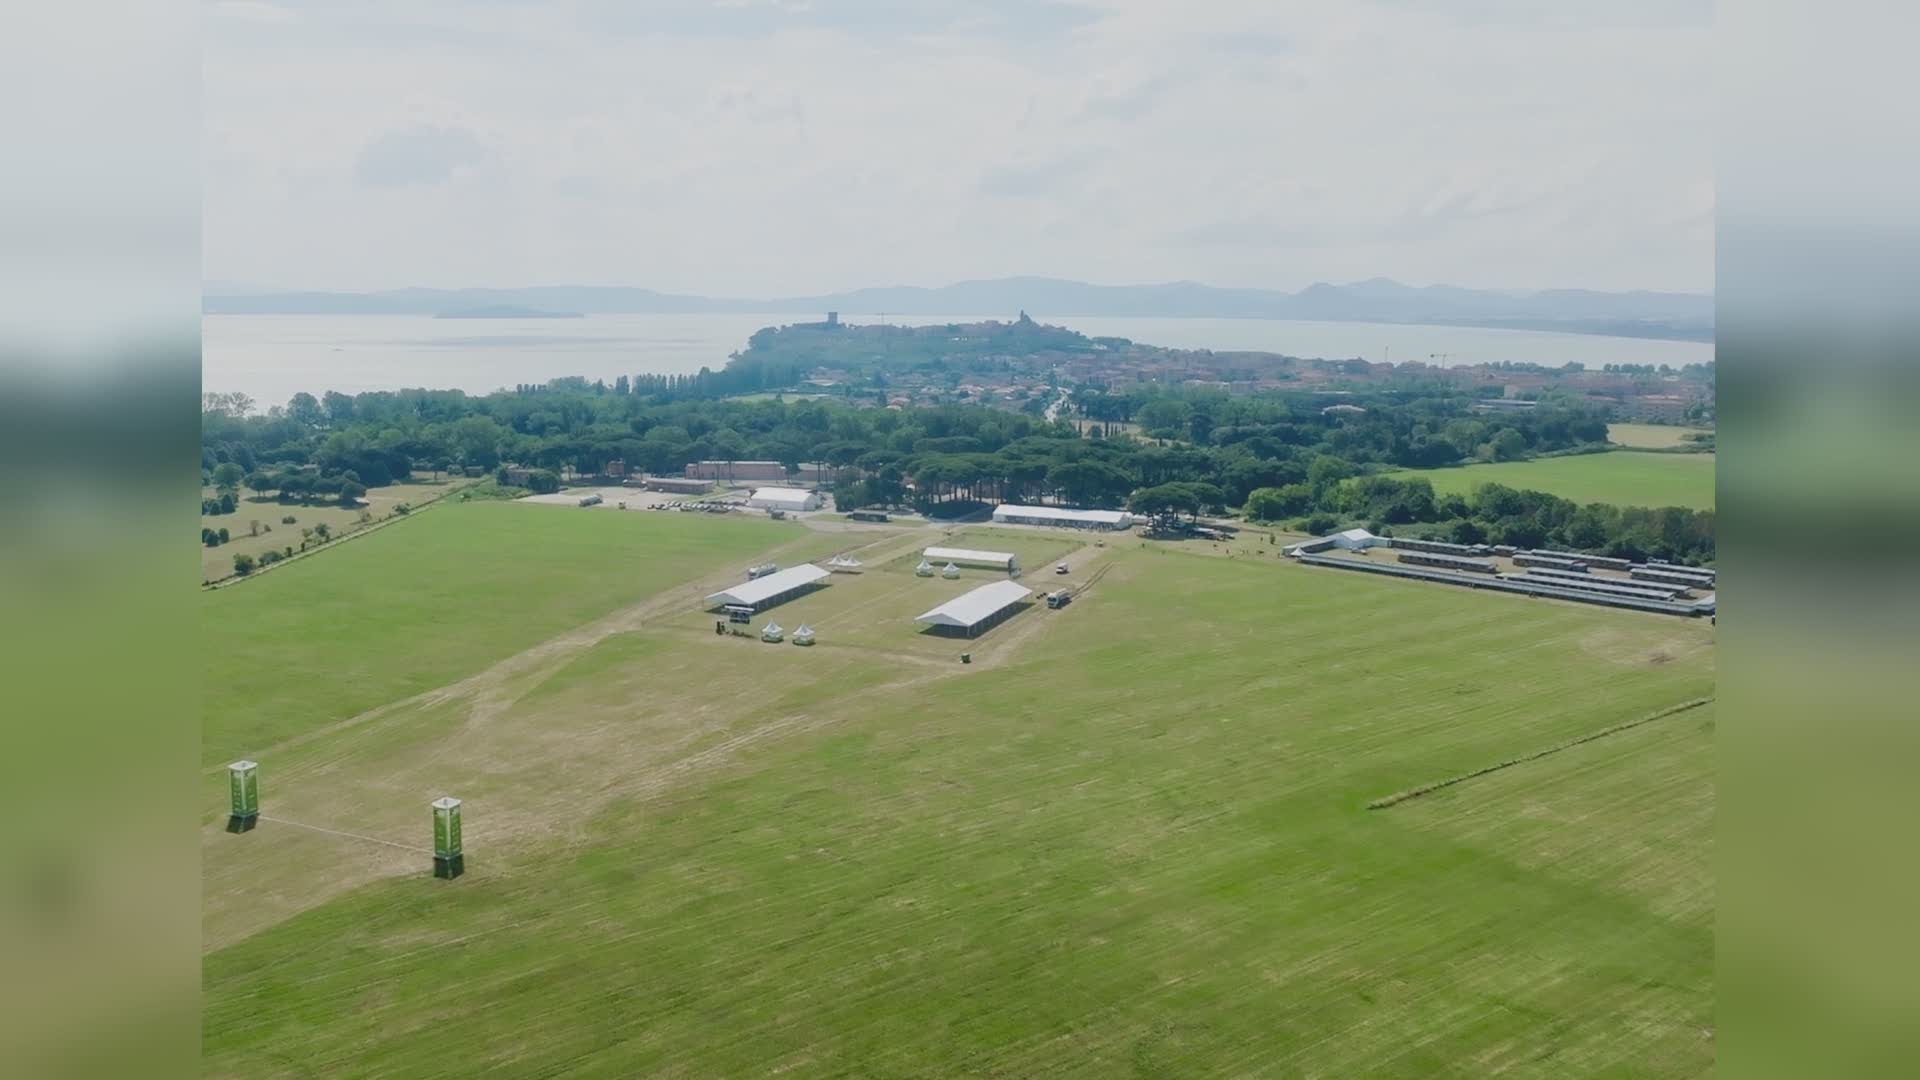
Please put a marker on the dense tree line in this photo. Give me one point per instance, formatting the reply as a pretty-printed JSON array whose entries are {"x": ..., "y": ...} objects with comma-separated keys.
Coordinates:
[
  {"x": 1304, "y": 453},
  {"x": 1493, "y": 514}
]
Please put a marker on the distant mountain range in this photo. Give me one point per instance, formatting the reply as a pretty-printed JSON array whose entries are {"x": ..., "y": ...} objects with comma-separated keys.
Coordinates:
[{"x": 1685, "y": 316}]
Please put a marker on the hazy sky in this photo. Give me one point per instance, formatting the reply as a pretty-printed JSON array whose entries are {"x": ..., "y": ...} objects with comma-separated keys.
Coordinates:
[{"x": 766, "y": 147}]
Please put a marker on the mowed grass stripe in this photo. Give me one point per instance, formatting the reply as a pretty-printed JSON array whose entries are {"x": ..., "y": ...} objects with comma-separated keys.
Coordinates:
[
  {"x": 410, "y": 609},
  {"x": 1138, "y": 847}
]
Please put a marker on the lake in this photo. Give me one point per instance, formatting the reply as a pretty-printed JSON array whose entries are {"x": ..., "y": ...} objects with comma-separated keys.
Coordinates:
[{"x": 273, "y": 357}]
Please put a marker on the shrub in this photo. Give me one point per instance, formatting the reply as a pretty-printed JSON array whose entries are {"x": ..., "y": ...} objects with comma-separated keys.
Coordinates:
[
  {"x": 287, "y": 520},
  {"x": 243, "y": 564},
  {"x": 403, "y": 509},
  {"x": 1319, "y": 524}
]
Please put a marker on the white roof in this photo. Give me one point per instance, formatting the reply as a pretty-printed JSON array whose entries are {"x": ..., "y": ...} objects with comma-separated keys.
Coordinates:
[
  {"x": 969, "y": 555},
  {"x": 1355, "y": 534},
  {"x": 769, "y": 586},
  {"x": 782, "y": 494},
  {"x": 977, "y": 605},
  {"x": 1055, "y": 513}
]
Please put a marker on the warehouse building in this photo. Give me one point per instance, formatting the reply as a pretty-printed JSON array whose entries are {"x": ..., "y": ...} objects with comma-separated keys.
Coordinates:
[
  {"x": 771, "y": 589},
  {"x": 1011, "y": 514},
  {"x": 989, "y": 560},
  {"x": 783, "y": 498},
  {"x": 974, "y": 613},
  {"x": 736, "y": 470},
  {"x": 675, "y": 485}
]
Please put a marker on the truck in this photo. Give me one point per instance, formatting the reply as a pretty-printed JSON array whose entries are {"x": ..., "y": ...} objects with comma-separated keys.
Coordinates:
[{"x": 1059, "y": 598}]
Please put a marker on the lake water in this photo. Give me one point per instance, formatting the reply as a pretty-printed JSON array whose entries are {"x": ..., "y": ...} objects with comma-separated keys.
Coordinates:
[{"x": 273, "y": 357}]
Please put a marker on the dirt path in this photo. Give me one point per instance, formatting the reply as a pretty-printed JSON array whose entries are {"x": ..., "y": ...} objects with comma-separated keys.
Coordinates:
[{"x": 353, "y": 803}]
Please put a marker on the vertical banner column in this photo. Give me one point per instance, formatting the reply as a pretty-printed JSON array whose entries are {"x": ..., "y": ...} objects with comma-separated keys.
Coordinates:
[
  {"x": 243, "y": 796},
  {"x": 448, "y": 861}
]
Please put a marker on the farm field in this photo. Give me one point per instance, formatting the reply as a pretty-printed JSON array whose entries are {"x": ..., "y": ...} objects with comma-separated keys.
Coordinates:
[
  {"x": 1651, "y": 436},
  {"x": 1129, "y": 838},
  {"x": 276, "y": 535},
  {"x": 431, "y": 599},
  {"x": 1621, "y": 477}
]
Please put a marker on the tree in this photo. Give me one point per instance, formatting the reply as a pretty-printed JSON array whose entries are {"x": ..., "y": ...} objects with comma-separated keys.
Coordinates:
[
  {"x": 243, "y": 564},
  {"x": 261, "y": 482},
  {"x": 543, "y": 481},
  {"x": 222, "y": 534},
  {"x": 226, "y": 502},
  {"x": 1275, "y": 503},
  {"x": 228, "y": 475},
  {"x": 304, "y": 409},
  {"x": 323, "y": 531},
  {"x": 339, "y": 408}
]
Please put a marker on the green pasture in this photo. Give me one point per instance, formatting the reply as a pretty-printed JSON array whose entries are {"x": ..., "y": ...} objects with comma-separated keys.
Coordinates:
[
  {"x": 1130, "y": 839},
  {"x": 1621, "y": 477},
  {"x": 425, "y": 601}
]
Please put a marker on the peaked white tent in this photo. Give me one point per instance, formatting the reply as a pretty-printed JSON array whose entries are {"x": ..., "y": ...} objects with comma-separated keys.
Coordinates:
[
  {"x": 949, "y": 571},
  {"x": 771, "y": 632},
  {"x": 804, "y": 635},
  {"x": 925, "y": 569},
  {"x": 769, "y": 589},
  {"x": 977, "y": 610}
]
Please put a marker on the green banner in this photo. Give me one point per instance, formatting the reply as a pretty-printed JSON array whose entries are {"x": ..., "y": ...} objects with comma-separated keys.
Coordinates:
[
  {"x": 446, "y": 828},
  {"x": 243, "y": 789}
]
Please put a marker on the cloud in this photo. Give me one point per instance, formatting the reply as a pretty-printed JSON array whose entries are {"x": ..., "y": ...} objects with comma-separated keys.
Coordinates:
[
  {"x": 792, "y": 149},
  {"x": 1037, "y": 178},
  {"x": 422, "y": 155},
  {"x": 258, "y": 11}
]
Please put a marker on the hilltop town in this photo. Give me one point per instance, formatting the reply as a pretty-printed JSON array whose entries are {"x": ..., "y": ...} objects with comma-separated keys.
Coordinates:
[{"x": 1027, "y": 366}]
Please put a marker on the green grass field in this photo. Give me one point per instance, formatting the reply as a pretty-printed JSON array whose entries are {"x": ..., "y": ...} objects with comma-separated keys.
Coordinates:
[
  {"x": 1652, "y": 436},
  {"x": 1129, "y": 839},
  {"x": 1621, "y": 477},
  {"x": 426, "y": 601}
]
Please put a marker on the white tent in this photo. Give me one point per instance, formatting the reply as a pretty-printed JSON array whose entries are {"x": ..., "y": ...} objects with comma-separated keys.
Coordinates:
[
  {"x": 1356, "y": 540},
  {"x": 771, "y": 632},
  {"x": 768, "y": 589},
  {"x": 804, "y": 635},
  {"x": 784, "y": 498},
  {"x": 1011, "y": 514},
  {"x": 949, "y": 571},
  {"x": 925, "y": 569},
  {"x": 981, "y": 607},
  {"x": 997, "y": 560}
]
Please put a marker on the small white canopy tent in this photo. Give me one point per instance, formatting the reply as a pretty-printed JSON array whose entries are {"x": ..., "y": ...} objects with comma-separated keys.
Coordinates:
[
  {"x": 804, "y": 635},
  {"x": 771, "y": 632},
  {"x": 949, "y": 571},
  {"x": 925, "y": 569}
]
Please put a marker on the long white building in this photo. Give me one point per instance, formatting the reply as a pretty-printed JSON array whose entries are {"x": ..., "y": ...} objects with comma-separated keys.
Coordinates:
[
  {"x": 976, "y": 611},
  {"x": 766, "y": 591},
  {"x": 992, "y": 560},
  {"x": 1012, "y": 514},
  {"x": 784, "y": 498}
]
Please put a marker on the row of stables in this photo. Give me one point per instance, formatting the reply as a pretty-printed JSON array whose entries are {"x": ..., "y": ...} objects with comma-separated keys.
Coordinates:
[
  {"x": 1539, "y": 572},
  {"x": 967, "y": 615}
]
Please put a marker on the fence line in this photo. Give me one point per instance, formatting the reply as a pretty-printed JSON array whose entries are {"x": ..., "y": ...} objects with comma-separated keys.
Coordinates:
[
  {"x": 1424, "y": 789},
  {"x": 353, "y": 836}
]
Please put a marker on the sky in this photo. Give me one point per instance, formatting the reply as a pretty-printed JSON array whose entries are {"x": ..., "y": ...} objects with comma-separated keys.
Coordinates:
[{"x": 789, "y": 147}]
